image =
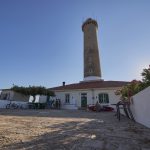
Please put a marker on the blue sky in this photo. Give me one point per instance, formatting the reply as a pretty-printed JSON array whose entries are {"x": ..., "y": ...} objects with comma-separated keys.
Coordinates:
[{"x": 41, "y": 41}]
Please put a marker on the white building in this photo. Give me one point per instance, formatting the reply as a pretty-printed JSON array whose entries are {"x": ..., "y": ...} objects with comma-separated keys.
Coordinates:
[
  {"x": 8, "y": 94},
  {"x": 80, "y": 95}
]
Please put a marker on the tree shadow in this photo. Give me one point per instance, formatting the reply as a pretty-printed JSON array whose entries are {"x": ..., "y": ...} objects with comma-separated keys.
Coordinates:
[
  {"x": 87, "y": 135},
  {"x": 68, "y": 136},
  {"x": 54, "y": 113}
]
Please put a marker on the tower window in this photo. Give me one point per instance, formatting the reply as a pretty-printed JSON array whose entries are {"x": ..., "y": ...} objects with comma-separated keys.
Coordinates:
[
  {"x": 103, "y": 98},
  {"x": 90, "y": 71}
]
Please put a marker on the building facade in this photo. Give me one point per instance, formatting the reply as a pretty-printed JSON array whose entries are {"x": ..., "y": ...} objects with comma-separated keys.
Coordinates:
[
  {"x": 83, "y": 94},
  {"x": 12, "y": 95}
]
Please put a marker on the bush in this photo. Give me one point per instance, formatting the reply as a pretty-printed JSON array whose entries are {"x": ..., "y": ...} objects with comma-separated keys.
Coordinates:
[{"x": 135, "y": 86}]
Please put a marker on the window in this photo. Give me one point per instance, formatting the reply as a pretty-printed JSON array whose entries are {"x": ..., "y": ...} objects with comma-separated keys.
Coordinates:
[
  {"x": 67, "y": 98},
  {"x": 90, "y": 71},
  {"x": 103, "y": 98}
]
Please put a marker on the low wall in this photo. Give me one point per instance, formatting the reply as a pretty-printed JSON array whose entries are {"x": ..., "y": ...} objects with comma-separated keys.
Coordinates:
[
  {"x": 140, "y": 107},
  {"x": 3, "y": 103},
  {"x": 69, "y": 106}
]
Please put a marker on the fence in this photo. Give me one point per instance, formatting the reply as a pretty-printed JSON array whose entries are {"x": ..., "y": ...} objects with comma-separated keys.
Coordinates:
[{"x": 3, "y": 103}]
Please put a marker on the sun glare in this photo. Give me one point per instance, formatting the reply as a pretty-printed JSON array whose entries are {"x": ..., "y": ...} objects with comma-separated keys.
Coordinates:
[{"x": 139, "y": 68}]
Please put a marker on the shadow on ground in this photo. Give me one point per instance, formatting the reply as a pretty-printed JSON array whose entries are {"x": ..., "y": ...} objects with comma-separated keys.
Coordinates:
[
  {"x": 99, "y": 133},
  {"x": 51, "y": 113}
]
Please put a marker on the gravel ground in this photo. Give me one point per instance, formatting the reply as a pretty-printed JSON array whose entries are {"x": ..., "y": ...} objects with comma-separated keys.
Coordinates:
[{"x": 70, "y": 130}]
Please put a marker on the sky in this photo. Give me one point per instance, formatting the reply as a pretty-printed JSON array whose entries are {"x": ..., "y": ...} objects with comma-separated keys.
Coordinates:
[{"x": 41, "y": 41}]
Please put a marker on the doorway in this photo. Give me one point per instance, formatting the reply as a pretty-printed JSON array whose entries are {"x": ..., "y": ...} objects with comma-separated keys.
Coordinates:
[{"x": 83, "y": 100}]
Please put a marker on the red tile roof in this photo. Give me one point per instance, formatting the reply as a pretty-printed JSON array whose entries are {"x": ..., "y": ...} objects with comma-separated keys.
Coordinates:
[{"x": 90, "y": 85}]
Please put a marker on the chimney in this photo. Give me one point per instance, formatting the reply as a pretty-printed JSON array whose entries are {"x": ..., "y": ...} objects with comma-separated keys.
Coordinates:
[{"x": 63, "y": 83}]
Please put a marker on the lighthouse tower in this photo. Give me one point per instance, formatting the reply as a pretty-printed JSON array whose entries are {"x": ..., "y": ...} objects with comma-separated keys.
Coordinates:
[{"x": 92, "y": 70}]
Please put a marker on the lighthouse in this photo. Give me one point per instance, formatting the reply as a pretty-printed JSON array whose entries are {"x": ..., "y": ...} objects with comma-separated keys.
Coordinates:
[
  {"x": 92, "y": 88},
  {"x": 92, "y": 69}
]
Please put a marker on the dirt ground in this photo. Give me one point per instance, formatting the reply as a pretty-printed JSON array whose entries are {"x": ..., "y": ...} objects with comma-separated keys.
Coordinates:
[{"x": 70, "y": 130}]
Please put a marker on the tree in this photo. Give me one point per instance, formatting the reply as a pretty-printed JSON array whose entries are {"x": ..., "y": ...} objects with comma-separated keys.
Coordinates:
[
  {"x": 129, "y": 90},
  {"x": 33, "y": 90},
  {"x": 135, "y": 86},
  {"x": 146, "y": 77}
]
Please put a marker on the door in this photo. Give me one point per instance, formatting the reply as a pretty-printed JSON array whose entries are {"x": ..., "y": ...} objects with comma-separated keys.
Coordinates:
[{"x": 83, "y": 99}]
